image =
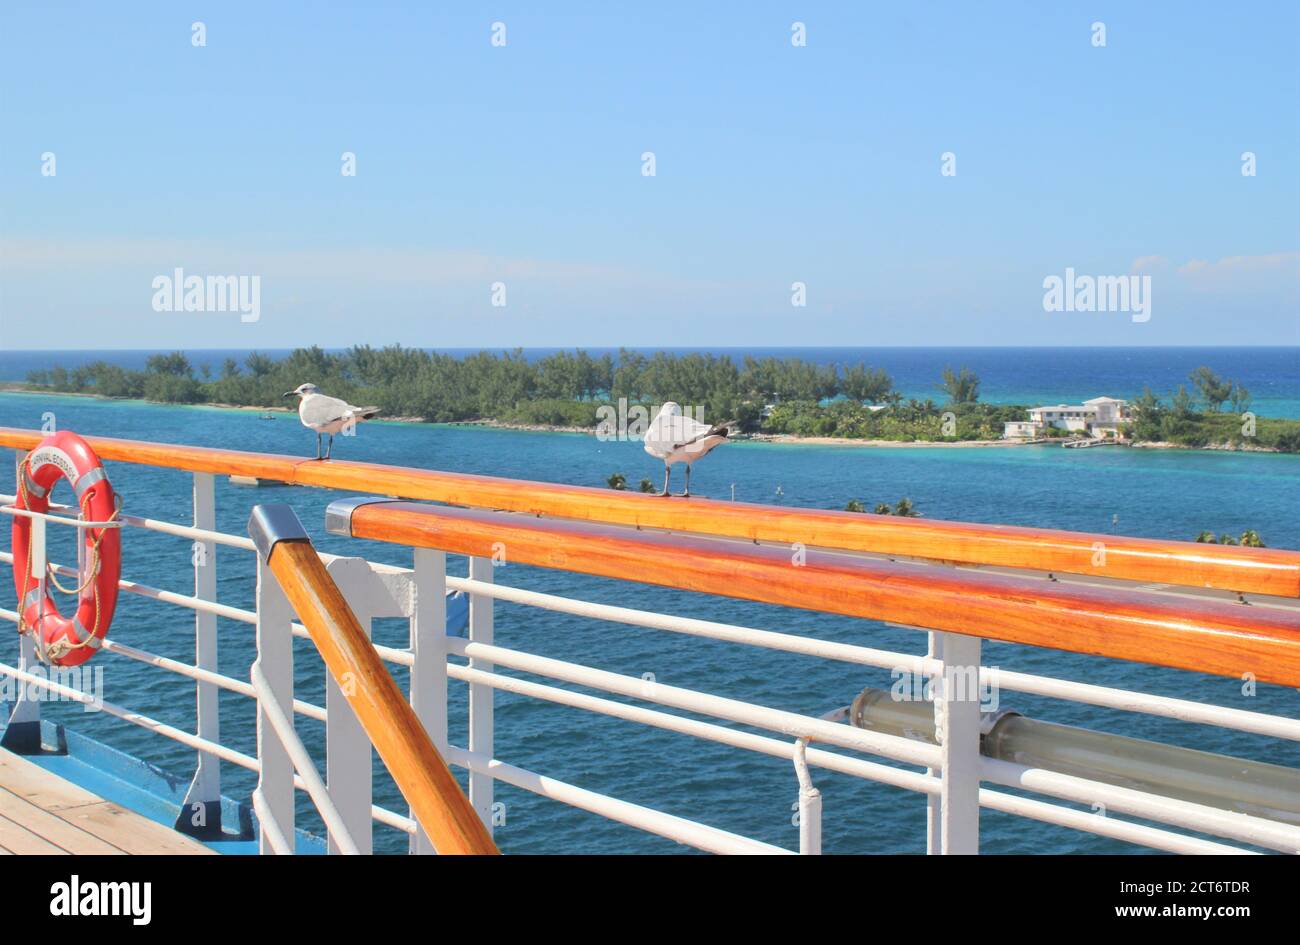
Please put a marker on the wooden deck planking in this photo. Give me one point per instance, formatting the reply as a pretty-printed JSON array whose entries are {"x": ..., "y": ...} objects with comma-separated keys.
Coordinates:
[{"x": 42, "y": 813}]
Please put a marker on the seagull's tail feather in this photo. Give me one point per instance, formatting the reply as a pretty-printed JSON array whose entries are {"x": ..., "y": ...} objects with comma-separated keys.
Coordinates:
[
  {"x": 730, "y": 428},
  {"x": 365, "y": 413}
]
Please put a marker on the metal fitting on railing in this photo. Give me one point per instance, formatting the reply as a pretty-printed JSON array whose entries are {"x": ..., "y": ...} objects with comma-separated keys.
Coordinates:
[
  {"x": 1200, "y": 777},
  {"x": 268, "y": 525},
  {"x": 810, "y": 803}
]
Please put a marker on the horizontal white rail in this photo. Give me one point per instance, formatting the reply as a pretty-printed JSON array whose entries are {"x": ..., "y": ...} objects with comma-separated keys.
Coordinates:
[
  {"x": 1104, "y": 825},
  {"x": 156, "y": 525},
  {"x": 248, "y": 762},
  {"x": 58, "y": 519},
  {"x": 763, "y": 744},
  {"x": 777, "y": 720},
  {"x": 1244, "y": 827},
  {"x": 676, "y": 828},
  {"x": 135, "y": 718},
  {"x": 1183, "y": 710},
  {"x": 228, "y": 683}
]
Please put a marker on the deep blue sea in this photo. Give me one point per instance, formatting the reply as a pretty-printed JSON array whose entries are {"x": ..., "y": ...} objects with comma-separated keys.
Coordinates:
[
  {"x": 1007, "y": 375},
  {"x": 1171, "y": 494}
]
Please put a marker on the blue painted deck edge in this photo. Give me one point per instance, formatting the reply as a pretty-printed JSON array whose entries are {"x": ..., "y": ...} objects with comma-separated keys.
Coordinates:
[{"x": 144, "y": 788}]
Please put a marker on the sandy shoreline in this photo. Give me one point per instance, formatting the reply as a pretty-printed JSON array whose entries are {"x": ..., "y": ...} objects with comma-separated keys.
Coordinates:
[
  {"x": 778, "y": 438},
  {"x": 781, "y": 438},
  {"x": 1213, "y": 447}
]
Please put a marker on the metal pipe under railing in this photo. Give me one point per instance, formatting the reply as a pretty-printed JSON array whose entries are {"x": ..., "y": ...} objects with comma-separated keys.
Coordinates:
[{"x": 1200, "y": 777}]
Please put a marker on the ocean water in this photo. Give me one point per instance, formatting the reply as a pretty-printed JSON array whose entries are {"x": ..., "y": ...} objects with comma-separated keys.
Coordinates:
[
  {"x": 1007, "y": 375},
  {"x": 1134, "y": 492}
]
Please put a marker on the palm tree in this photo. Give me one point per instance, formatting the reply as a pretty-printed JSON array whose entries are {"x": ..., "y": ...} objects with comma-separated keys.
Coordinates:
[
  {"x": 962, "y": 387},
  {"x": 904, "y": 508},
  {"x": 617, "y": 481},
  {"x": 1207, "y": 538},
  {"x": 1213, "y": 388},
  {"x": 1182, "y": 403},
  {"x": 855, "y": 506},
  {"x": 647, "y": 486},
  {"x": 884, "y": 509},
  {"x": 1250, "y": 539}
]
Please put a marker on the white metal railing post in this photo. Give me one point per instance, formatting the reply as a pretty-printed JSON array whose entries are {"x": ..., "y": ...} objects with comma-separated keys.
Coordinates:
[
  {"x": 957, "y": 726},
  {"x": 201, "y": 811},
  {"x": 933, "y": 803},
  {"x": 429, "y": 658},
  {"x": 481, "y": 696},
  {"x": 23, "y": 733},
  {"x": 349, "y": 756},
  {"x": 275, "y": 658}
]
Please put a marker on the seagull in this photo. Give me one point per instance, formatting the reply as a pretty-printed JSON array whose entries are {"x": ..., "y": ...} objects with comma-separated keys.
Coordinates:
[
  {"x": 327, "y": 415},
  {"x": 678, "y": 439}
]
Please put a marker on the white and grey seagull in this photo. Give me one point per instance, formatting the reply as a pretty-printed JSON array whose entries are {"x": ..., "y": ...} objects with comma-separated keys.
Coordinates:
[
  {"x": 327, "y": 415},
  {"x": 678, "y": 439}
]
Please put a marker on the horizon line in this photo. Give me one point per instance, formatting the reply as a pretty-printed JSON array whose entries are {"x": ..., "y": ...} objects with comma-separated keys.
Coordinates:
[{"x": 634, "y": 347}]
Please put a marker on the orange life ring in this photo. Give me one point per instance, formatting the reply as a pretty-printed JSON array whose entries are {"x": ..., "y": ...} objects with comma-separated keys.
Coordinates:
[{"x": 63, "y": 641}]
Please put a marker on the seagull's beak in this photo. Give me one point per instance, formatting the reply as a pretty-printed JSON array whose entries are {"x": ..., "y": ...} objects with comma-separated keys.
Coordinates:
[{"x": 290, "y": 393}]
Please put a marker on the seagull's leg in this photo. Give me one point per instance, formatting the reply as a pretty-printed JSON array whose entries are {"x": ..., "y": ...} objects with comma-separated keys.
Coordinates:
[
  {"x": 329, "y": 450},
  {"x": 687, "y": 491},
  {"x": 318, "y": 446},
  {"x": 668, "y": 470}
]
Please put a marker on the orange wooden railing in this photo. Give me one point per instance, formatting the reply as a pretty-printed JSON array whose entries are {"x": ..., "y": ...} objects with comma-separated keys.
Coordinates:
[
  {"x": 1246, "y": 570},
  {"x": 1211, "y": 636}
]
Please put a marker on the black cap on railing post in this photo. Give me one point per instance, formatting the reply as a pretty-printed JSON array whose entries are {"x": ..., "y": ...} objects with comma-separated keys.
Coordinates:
[{"x": 272, "y": 523}]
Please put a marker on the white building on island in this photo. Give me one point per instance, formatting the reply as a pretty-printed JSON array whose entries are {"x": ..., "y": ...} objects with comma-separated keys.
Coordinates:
[{"x": 1099, "y": 417}]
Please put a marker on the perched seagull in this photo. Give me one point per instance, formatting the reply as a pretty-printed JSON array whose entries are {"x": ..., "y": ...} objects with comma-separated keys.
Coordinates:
[
  {"x": 327, "y": 415},
  {"x": 678, "y": 439}
]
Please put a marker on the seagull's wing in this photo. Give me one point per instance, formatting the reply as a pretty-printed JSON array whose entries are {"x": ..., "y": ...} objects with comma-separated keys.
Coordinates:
[
  {"x": 318, "y": 408},
  {"x": 671, "y": 431},
  {"x": 703, "y": 430},
  {"x": 693, "y": 430}
]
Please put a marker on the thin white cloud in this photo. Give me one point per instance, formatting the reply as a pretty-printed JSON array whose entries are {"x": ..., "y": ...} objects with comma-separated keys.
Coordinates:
[
  {"x": 405, "y": 265},
  {"x": 1148, "y": 264},
  {"x": 1235, "y": 267}
]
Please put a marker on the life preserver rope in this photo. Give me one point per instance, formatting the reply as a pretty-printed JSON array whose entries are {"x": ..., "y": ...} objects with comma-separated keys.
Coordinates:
[{"x": 59, "y": 640}]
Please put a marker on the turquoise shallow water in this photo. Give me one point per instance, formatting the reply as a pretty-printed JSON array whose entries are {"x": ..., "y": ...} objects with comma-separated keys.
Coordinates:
[{"x": 1135, "y": 492}]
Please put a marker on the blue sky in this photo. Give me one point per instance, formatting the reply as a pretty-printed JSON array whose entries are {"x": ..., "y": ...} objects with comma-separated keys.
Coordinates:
[{"x": 774, "y": 164}]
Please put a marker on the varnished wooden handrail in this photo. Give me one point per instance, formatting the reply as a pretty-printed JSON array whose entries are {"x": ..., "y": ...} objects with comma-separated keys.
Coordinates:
[
  {"x": 1246, "y": 570},
  {"x": 1217, "y": 637},
  {"x": 420, "y": 772}
]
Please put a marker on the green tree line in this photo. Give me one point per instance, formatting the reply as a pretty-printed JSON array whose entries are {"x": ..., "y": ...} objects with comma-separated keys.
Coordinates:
[
  {"x": 411, "y": 382},
  {"x": 768, "y": 394},
  {"x": 1198, "y": 419}
]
